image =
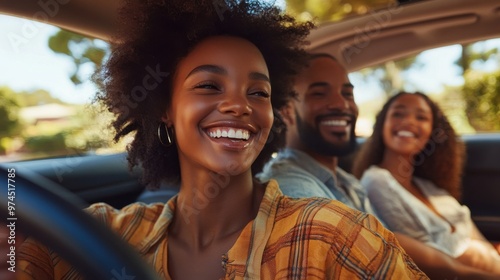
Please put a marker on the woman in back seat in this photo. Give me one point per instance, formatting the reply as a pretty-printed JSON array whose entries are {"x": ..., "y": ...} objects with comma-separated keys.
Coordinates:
[{"x": 411, "y": 167}]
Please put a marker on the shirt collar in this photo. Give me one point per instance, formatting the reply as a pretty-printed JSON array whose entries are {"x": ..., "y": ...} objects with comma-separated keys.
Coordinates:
[{"x": 307, "y": 163}]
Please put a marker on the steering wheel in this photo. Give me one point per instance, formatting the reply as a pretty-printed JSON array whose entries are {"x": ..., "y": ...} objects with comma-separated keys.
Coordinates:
[{"x": 53, "y": 215}]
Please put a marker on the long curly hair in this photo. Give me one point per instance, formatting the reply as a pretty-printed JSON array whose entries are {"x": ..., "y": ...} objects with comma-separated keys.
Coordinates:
[
  {"x": 441, "y": 161},
  {"x": 135, "y": 83}
]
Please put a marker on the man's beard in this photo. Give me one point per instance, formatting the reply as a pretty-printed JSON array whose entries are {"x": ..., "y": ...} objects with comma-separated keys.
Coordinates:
[{"x": 315, "y": 142}]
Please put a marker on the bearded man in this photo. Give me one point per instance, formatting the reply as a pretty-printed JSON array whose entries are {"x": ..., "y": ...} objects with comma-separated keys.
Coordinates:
[{"x": 320, "y": 128}]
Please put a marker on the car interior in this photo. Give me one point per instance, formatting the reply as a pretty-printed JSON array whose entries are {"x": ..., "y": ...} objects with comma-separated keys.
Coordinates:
[{"x": 358, "y": 42}]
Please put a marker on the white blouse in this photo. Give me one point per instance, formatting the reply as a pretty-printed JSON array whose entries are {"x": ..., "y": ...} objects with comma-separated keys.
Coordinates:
[{"x": 404, "y": 213}]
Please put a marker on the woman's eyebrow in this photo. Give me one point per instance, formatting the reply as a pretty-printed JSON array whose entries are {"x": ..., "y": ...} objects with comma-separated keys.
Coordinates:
[
  {"x": 318, "y": 84},
  {"x": 326, "y": 84},
  {"x": 399, "y": 106},
  {"x": 219, "y": 70},
  {"x": 208, "y": 68},
  {"x": 426, "y": 111},
  {"x": 258, "y": 76}
]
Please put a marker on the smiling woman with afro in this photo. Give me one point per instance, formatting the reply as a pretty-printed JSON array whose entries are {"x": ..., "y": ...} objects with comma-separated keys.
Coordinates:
[{"x": 136, "y": 82}]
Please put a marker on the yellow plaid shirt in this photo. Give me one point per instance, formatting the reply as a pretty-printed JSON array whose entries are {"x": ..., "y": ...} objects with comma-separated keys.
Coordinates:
[{"x": 311, "y": 238}]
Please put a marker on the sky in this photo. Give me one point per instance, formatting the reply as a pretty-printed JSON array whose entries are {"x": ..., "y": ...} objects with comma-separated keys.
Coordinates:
[{"x": 28, "y": 64}]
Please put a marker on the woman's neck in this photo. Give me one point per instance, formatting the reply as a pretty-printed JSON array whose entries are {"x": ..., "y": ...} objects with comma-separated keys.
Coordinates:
[
  {"x": 400, "y": 167},
  {"x": 211, "y": 212},
  {"x": 212, "y": 207}
]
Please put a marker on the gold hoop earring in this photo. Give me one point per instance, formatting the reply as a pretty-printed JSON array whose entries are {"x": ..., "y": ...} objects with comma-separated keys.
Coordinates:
[{"x": 164, "y": 135}]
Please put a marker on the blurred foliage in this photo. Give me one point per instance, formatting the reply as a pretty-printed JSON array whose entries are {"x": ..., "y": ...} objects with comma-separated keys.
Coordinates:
[
  {"x": 10, "y": 123},
  {"x": 46, "y": 143},
  {"x": 332, "y": 10},
  {"x": 9, "y": 113},
  {"x": 81, "y": 50},
  {"x": 481, "y": 90},
  {"x": 481, "y": 93},
  {"x": 91, "y": 130},
  {"x": 87, "y": 130},
  {"x": 84, "y": 131},
  {"x": 475, "y": 52},
  {"x": 452, "y": 103}
]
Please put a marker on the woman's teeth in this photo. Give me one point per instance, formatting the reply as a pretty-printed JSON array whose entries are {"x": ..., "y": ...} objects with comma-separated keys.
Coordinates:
[
  {"x": 405, "y": 133},
  {"x": 240, "y": 134}
]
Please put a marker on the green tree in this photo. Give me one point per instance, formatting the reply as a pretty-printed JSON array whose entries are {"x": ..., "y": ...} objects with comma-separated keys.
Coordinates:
[
  {"x": 475, "y": 52},
  {"x": 10, "y": 124},
  {"x": 482, "y": 97},
  {"x": 80, "y": 49},
  {"x": 9, "y": 112},
  {"x": 481, "y": 91},
  {"x": 48, "y": 145}
]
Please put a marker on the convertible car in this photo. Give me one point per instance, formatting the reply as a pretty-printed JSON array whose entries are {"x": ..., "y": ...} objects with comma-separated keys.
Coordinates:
[{"x": 391, "y": 33}]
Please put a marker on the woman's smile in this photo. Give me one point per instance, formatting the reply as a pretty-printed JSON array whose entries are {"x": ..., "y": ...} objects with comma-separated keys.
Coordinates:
[{"x": 231, "y": 135}]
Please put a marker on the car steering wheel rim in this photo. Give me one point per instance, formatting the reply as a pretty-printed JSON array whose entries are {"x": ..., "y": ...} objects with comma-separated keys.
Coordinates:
[{"x": 53, "y": 215}]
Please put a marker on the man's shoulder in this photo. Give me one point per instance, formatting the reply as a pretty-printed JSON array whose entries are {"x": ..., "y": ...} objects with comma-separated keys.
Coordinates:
[
  {"x": 299, "y": 183},
  {"x": 292, "y": 166},
  {"x": 288, "y": 173},
  {"x": 284, "y": 161}
]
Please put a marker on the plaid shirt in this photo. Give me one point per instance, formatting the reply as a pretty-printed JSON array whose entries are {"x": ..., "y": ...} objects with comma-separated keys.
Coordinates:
[{"x": 309, "y": 238}]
